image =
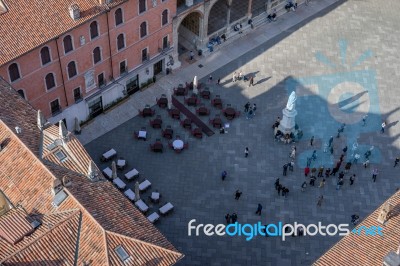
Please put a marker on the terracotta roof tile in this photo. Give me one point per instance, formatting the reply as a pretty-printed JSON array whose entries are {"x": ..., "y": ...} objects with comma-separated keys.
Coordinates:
[
  {"x": 42, "y": 21},
  {"x": 365, "y": 250}
]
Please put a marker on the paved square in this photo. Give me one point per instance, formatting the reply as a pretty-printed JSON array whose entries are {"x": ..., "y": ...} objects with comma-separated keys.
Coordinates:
[{"x": 343, "y": 64}]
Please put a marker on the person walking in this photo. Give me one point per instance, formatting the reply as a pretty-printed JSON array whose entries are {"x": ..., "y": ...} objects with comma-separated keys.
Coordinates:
[
  {"x": 286, "y": 190},
  {"x": 320, "y": 171},
  {"x": 249, "y": 113},
  {"x": 327, "y": 172},
  {"x": 311, "y": 140},
  {"x": 312, "y": 181},
  {"x": 303, "y": 186},
  {"x": 285, "y": 167},
  {"x": 223, "y": 175},
  {"x": 228, "y": 218},
  {"x": 234, "y": 217},
  {"x": 191, "y": 55},
  {"x": 322, "y": 183},
  {"x": 277, "y": 184},
  {"x": 352, "y": 178},
  {"x": 306, "y": 171},
  {"x": 246, "y": 107},
  {"x": 339, "y": 184},
  {"x": 218, "y": 81},
  {"x": 234, "y": 77},
  {"x": 396, "y": 161},
  {"x": 246, "y": 152},
  {"x": 254, "y": 109},
  {"x": 383, "y": 127},
  {"x": 240, "y": 75},
  {"x": 210, "y": 79},
  {"x": 364, "y": 120},
  {"x": 331, "y": 150},
  {"x": 279, "y": 189},
  {"x": 238, "y": 193},
  {"x": 347, "y": 167},
  {"x": 259, "y": 208},
  {"x": 293, "y": 153},
  {"x": 374, "y": 174},
  {"x": 251, "y": 82},
  {"x": 345, "y": 149},
  {"x": 330, "y": 141},
  {"x": 320, "y": 199}
]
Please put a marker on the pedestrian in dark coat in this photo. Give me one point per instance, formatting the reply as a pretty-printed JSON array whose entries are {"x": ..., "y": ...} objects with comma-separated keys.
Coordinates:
[
  {"x": 259, "y": 208},
  {"x": 311, "y": 140},
  {"x": 320, "y": 171},
  {"x": 303, "y": 186},
  {"x": 327, "y": 172},
  {"x": 277, "y": 184},
  {"x": 234, "y": 217},
  {"x": 251, "y": 83},
  {"x": 396, "y": 161},
  {"x": 246, "y": 107},
  {"x": 352, "y": 178},
  {"x": 228, "y": 218},
  {"x": 320, "y": 199},
  {"x": 330, "y": 141},
  {"x": 237, "y": 194},
  {"x": 345, "y": 149},
  {"x": 279, "y": 189},
  {"x": 285, "y": 166},
  {"x": 223, "y": 175},
  {"x": 246, "y": 152}
]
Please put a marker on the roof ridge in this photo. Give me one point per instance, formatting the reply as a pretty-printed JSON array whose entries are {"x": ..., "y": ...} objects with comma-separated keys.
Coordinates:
[
  {"x": 147, "y": 243},
  {"x": 73, "y": 212}
]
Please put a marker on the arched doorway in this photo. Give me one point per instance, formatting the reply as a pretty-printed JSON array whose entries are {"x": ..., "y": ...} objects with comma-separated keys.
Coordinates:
[
  {"x": 218, "y": 16},
  {"x": 189, "y": 33},
  {"x": 258, "y": 7},
  {"x": 238, "y": 10}
]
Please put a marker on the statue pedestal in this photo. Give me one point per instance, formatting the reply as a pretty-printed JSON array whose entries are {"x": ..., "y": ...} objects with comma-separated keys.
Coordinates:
[{"x": 287, "y": 124}]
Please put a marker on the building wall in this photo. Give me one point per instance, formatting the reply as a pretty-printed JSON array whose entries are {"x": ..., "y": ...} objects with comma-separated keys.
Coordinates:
[{"x": 33, "y": 74}]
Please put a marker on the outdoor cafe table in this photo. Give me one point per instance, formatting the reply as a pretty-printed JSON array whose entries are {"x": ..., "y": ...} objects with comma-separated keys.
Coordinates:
[
  {"x": 177, "y": 144},
  {"x": 108, "y": 172},
  {"x": 107, "y": 155},
  {"x": 168, "y": 132},
  {"x": 121, "y": 163},
  {"x": 180, "y": 91},
  {"x": 166, "y": 208},
  {"x": 217, "y": 102},
  {"x": 229, "y": 112},
  {"x": 192, "y": 101},
  {"x": 217, "y": 121},
  {"x": 141, "y": 205},
  {"x": 120, "y": 184},
  {"x": 144, "y": 185},
  {"x": 175, "y": 113},
  {"x": 130, "y": 194},
  {"x": 158, "y": 146},
  {"x": 203, "y": 110},
  {"x": 153, "y": 217},
  {"x": 142, "y": 134},
  {"x": 131, "y": 174},
  {"x": 147, "y": 112},
  {"x": 205, "y": 94},
  {"x": 163, "y": 101},
  {"x": 155, "y": 196}
]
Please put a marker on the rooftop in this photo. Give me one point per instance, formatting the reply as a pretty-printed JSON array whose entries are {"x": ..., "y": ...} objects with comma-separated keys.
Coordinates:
[
  {"x": 42, "y": 21},
  {"x": 91, "y": 220}
]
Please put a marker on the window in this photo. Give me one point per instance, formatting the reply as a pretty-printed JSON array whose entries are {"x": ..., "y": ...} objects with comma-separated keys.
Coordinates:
[
  {"x": 60, "y": 155},
  {"x": 13, "y": 71},
  {"x": 94, "y": 30},
  {"x": 120, "y": 41},
  {"x": 71, "y": 69},
  {"x": 55, "y": 107},
  {"x": 144, "y": 55},
  {"x": 67, "y": 44},
  {"x": 77, "y": 95},
  {"x": 100, "y": 80},
  {"x": 45, "y": 55},
  {"x": 142, "y": 6},
  {"x": 165, "y": 43},
  {"x": 50, "y": 82},
  {"x": 143, "y": 29},
  {"x": 96, "y": 55},
  {"x": 22, "y": 93},
  {"x": 118, "y": 17},
  {"x": 122, "y": 67},
  {"x": 121, "y": 253},
  {"x": 164, "y": 17}
]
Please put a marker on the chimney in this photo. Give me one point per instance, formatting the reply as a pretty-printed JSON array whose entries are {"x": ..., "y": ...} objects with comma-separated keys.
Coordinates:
[
  {"x": 92, "y": 173},
  {"x": 62, "y": 132},
  {"x": 40, "y": 120},
  {"x": 74, "y": 11}
]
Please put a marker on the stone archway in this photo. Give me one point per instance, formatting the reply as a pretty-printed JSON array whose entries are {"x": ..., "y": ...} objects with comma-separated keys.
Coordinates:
[
  {"x": 189, "y": 32},
  {"x": 218, "y": 16},
  {"x": 258, "y": 7},
  {"x": 238, "y": 10}
]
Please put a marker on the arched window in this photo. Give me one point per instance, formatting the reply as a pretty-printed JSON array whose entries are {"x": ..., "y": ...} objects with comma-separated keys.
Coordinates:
[
  {"x": 142, "y": 6},
  {"x": 22, "y": 93},
  {"x": 143, "y": 29},
  {"x": 45, "y": 55},
  {"x": 50, "y": 82},
  {"x": 120, "y": 41},
  {"x": 94, "y": 30},
  {"x": 118, "y": 17},
  {"x": 13, "y": 71},
  {"x": 71, "y": 69},
  {"x": 96, "y": 55},
  {"x": 68, "y": 44},
  {"x": 164, "y": 17}
]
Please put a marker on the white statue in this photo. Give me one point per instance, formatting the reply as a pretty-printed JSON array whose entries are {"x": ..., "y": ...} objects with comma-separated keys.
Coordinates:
[{"x": 291, "y": 104}]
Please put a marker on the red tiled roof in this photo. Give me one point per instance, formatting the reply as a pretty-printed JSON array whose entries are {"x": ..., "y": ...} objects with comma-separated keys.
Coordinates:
[
  {"x": 14, "y": 226},
  {"x": 30, "y": 24},
  {"x": 27, "y": 180},
  {"x": 356, "y": 250}
]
